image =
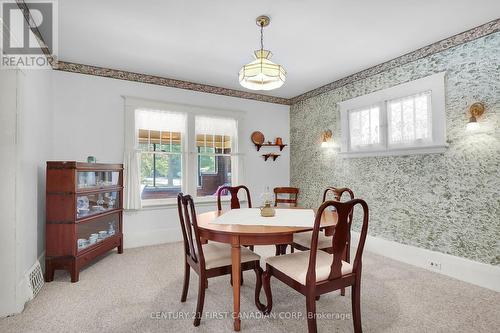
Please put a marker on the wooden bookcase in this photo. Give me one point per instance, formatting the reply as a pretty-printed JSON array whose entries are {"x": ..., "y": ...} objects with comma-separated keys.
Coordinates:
[{"x": 82, "y": 200}]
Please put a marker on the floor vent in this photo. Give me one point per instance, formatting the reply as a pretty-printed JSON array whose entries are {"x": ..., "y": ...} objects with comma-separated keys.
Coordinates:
[{"x": 35, "y": 278}]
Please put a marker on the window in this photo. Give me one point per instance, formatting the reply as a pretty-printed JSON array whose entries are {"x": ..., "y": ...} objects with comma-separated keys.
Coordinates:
[
  {"x": 364, "y": 127},
  {"x": 214, "y": 138},
  {"x": 160, "y": 143},
  {"x": 405, "y": 119},
  {"x": 409, "y": 119},
  {"x": 177, "y": 148}
]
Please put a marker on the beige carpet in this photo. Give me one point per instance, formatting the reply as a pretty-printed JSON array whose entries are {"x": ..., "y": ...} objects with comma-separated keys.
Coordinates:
[{"x": 122, "y": 293}]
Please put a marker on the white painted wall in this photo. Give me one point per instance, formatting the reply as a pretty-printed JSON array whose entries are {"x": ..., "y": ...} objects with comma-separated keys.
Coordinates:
[
  {"x": 8, "y": 111},
  {"x": 34, "y": 148},
  {"x": 89, "y": 120},
  {"x": 25, "y": 108}
]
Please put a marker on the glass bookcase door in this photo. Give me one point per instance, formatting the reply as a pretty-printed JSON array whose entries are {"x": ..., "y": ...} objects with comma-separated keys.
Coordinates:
[
  {"x": 96, "y": 203},
  {"x": 96, "y": 231},
  {"x": 97, "y": 179}
]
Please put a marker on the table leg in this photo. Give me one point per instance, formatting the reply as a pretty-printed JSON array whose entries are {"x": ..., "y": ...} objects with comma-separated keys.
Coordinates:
[{"x": 236, "y": 267}]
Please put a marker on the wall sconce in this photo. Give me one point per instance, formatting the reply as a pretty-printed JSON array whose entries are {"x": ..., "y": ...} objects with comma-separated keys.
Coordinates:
[
  {"x": 476, "y": 110},
  {"x": 326, "y": 138}
]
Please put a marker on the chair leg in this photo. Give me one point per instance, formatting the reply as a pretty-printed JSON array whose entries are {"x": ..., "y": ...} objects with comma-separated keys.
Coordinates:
[
  {"x": 291, "y": 248},
  {"x": 342, "y": 291},
  {"x": 201, "y": 300},
  {"x": 258, "y": 287},
  {"x": 356, "y": 306},
  {"x": 185, "y": 287},
  {"x": 311, "y": 313},
  {"x": 266, "y": 283},
  {"x": 278, "y": 250}
]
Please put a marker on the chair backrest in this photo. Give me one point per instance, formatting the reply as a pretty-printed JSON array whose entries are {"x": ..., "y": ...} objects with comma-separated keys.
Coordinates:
[
  {"x": 189, "y": 226},
  {"x": 291, "y": 192},
  {"x": 337, "y": 193},
  {"x": 339, "y": 239},
  {"x": 235, "y": 202}
]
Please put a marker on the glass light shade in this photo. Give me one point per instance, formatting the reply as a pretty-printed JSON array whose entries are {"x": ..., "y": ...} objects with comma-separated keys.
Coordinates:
[
  {"x": 328, "y": 144},
  {"x": 262, "y": 73},
  {"x": 472, "y": 126}
]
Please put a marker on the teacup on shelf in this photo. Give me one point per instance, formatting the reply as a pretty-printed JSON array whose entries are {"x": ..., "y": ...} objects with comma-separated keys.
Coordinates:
[
  {"x": 82, "y": 243},
  {"x": 93, "y": 238}
]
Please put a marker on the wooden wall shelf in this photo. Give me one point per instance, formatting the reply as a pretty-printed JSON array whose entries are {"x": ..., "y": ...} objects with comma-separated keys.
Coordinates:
[
  {"x": 270, "y": 145},
  {"x": 270, "y": 155}
]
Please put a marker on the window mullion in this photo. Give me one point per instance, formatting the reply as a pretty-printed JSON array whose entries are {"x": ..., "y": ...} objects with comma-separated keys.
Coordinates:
[
  {"x": 384, "y": 127},
  {"x": 414, "y": 121},
  {"x": 189, "y": 179}
]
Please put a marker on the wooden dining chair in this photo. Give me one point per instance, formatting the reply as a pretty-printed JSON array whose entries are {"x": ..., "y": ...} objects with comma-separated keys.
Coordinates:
[
  {"x": 233, "y": 191},
  {"x": 292, "y": 194},
  {"x": 302, "y": 240},
  {"x": 208, "y": 260},
  {"x": 315, "y": 272},
  {"x": 291, "y": 199},
  {"x": 235, "y": 201}
]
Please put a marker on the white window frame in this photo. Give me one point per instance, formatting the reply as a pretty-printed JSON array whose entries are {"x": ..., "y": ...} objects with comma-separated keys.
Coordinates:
[
  {"x": 189, "y": 150},
  {"x": 433, "y": 83}
]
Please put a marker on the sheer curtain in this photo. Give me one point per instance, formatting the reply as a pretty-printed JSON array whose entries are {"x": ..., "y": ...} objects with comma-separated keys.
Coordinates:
[
  {"x": 131, "y": 163},
  {"x": 410, "y": 120},
  {"x": 150, "y": 119},
  {"x": 222, "y": 126},
  {"x": 159, "y": 120},
  {"x": 216, "y": 126},
  {"x": 364, "y": 127}
]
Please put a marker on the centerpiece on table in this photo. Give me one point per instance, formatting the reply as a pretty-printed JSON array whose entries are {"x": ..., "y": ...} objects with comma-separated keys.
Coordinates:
[{"x": 267, "y": 209}]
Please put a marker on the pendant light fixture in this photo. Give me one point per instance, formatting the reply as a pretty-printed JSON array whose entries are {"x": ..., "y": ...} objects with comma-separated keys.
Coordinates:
[{"x": 262, "y": 73}]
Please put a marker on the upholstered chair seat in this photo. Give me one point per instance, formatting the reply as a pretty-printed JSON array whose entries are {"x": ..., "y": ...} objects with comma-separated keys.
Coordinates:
[
  {"x": 314, "y": 272},
  {"x": 208, "y": 260},
  {"x": 304, "y": 239},
  {"x": 219, "y": 255},
  {"x": 295, "y": 265}
]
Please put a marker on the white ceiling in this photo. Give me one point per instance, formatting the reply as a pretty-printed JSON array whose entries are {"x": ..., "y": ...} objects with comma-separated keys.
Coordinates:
[{"x": 318, "y": 41}]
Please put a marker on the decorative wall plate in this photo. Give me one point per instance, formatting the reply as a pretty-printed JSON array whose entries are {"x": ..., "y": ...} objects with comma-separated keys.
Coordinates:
[{"x": 257, "y": 138}]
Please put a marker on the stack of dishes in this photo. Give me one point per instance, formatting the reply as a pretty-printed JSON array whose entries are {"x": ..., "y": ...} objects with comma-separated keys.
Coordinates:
[{"x": 93, "y": 238}]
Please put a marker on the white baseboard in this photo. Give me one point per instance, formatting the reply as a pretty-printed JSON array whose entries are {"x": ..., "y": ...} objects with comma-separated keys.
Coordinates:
[
  {"x": 484, "y": 275},
  {"x": 153, "y": 237}
]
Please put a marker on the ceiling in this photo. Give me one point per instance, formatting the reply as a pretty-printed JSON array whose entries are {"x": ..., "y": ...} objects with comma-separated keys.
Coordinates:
[{"x": 317, "y": 41}]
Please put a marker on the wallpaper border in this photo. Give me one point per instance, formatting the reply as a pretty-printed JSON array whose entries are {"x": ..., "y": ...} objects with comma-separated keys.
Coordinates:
[{"x": 163, "y": 81}]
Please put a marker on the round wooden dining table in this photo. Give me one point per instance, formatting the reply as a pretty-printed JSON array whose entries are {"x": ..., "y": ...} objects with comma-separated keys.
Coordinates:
[{"x": 238, "y": 235}]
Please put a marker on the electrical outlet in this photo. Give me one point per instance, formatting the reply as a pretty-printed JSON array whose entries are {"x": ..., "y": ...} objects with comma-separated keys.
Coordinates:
[{"x": 435, "y": 265}]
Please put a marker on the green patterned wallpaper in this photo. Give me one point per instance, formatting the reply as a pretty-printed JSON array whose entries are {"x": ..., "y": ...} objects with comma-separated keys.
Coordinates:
[{"x": 443, "y": 202}]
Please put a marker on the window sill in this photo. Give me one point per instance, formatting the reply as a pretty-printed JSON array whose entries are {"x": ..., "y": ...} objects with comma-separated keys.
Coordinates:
[
  {"x": 438, "y": 149},
  {"x": 171, "y": 203}
]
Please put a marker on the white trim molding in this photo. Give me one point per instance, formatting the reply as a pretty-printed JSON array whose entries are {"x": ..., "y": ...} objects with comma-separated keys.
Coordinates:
[
  {"x": 480, "y": 274},
  {"x": 433, "y": 84}
]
